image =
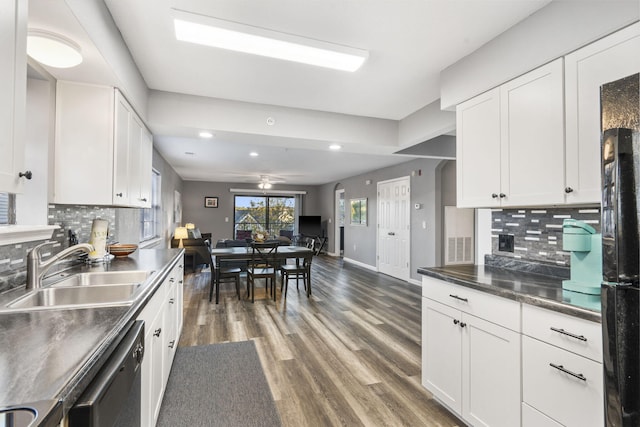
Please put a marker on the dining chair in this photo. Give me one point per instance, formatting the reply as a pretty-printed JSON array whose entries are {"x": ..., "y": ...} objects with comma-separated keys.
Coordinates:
[
  {"x": 300, "y": 270},
  {"x": 218, "y": 274},
  {"x": 263, "y": 265}
]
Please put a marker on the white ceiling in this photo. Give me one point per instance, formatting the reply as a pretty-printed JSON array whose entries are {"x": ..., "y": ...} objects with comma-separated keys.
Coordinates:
[{"x": 409, "y": 43}]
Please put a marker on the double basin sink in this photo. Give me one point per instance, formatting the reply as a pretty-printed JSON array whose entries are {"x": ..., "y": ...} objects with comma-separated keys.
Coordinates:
[{"x": 82, "y": 290}]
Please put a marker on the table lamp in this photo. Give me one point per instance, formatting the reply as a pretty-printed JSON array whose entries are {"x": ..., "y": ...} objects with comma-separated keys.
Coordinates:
[
  {"x": 181, "y": 233},
  {"x": 190, "y": 226}
]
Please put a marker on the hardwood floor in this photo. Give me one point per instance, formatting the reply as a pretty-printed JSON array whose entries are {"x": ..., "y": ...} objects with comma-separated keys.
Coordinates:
[{"x": 349, "y": 355}]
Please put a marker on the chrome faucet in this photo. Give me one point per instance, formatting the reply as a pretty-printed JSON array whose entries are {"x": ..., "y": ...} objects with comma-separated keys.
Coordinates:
[{"x": 36, "y": 268}]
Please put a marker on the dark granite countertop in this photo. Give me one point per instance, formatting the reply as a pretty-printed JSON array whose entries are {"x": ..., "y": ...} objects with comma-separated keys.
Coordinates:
[
  {"x": 529, "y": 288},
  {"x": 54, "y": 354}
]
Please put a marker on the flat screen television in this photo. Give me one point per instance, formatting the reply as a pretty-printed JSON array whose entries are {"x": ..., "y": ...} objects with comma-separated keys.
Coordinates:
[{"x": 310, "y": 225}]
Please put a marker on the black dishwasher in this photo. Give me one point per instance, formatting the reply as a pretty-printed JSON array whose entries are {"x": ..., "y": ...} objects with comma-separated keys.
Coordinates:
[{"x": 113, "y": 397}]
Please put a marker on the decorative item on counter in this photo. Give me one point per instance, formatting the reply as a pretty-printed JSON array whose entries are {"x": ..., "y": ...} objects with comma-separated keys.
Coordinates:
[
  {"x": 122, "y": 249},
  {"x": 259, "y": 237},
  {"x": 98, "y": 239}
]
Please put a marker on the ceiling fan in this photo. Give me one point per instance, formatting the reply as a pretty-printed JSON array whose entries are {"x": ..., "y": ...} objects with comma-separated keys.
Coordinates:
[{"x": 266, "y": 181}]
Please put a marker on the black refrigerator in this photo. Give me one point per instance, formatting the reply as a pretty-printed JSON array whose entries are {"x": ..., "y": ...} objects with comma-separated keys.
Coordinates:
[{"x": 620, "y": 123}]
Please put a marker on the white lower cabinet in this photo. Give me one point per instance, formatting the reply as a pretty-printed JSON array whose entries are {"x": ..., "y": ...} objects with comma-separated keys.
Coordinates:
[
  {"x": 495, "y": 362},
  {"x": 562, "y": 375},
  {"x": 163, "y": 324},
  {"x": 470, "y": 364}
]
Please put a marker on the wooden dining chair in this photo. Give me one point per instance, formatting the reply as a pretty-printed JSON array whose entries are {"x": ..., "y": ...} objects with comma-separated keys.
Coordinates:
[{"x": 263, "y": 265}]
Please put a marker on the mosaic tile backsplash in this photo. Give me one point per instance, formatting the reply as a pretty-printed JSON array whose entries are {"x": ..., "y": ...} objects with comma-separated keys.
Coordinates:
[
  {"x": 13, "y": 258},
  {"x": 538, "y": 232}
]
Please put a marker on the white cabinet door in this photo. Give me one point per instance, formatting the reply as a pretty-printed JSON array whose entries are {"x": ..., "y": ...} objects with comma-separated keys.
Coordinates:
[
  {"x": 13, "y": 87},
  {"x": 157, "y": 364},
  {"x": 478, "y": 151},
  {"x": 442, "y": 353},
  {"x": 145, "y": 161},
  {"x": 83, "y": 144},
  {"x": 532, "y": 113},
  {"x": 586, "y": 69},
  {"x": 490, "y": 373},
  {"x": 121, "y": 166}
]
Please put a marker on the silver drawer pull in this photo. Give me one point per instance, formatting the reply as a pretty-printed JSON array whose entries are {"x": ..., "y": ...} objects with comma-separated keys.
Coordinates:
[
  {"x": 566, "y": 371},
  {"x": 458, "y": 298},
  {"x": 569, "y": 334}
]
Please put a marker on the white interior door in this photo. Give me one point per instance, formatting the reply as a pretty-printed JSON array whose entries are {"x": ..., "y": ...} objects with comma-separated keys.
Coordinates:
[{"x": 394, "y": 228}]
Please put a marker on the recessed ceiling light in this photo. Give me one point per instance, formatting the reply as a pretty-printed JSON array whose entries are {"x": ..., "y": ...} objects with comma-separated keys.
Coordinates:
[
  {"x": 253, "y": 154},
  {"x": 209, "y": 31},
  {"x": 205, "y": 134},
  {"x": 189, "y": 153},
  {"x": 53, "y": 49},
  {"x": 334, "y": 147}
]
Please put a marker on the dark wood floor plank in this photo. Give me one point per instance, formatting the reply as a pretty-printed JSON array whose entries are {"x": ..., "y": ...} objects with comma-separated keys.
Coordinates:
[{"x": 349, "y": 355}]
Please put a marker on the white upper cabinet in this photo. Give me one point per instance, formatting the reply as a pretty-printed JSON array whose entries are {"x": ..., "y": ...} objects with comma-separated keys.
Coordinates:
[
  {"x": 606, "y": 60},
  {"x": 103, "y": 150},
  {"x": 532, "y": 155},
  {"x": 478, "y": 150},
  {"x": 13, "y": 87},
  {"x": 510, "y": 143}
]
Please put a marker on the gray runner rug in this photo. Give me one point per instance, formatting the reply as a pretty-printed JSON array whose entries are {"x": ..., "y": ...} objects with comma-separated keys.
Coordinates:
[{"x": 218, "y": 385}]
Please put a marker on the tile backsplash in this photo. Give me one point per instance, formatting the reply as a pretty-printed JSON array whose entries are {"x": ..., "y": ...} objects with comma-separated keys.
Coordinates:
[
  {"x": 538, "y": 232},
  {"x": 13, "y": 258}
]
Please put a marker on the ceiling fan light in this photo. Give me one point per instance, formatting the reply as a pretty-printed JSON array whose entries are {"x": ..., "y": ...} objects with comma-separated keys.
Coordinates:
[{"x": 53, "y": 49}]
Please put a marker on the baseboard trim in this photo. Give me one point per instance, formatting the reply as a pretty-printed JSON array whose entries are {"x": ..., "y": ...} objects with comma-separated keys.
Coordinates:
[
  {"x": 360, "y": 264},
  {"x": 415, "y": 282}
]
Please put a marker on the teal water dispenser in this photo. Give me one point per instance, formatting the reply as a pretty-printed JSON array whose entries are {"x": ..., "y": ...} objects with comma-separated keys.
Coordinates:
[{"x": 586, "y": 257}]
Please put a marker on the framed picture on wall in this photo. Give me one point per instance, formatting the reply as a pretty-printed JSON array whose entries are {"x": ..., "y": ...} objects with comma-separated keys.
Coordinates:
[
  {"x": 358, "y": 211},
  {"x": 210, "y": 202}
]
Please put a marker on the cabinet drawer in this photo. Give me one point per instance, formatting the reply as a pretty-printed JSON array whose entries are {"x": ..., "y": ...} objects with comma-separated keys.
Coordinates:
[
  {"x": 155, "y": 304},
  {"x": 569, "y": 400},
  {"x": 489, "y": 307},
  {"x": 533, "y": 418},
  {"x": 571, "y": 333}
]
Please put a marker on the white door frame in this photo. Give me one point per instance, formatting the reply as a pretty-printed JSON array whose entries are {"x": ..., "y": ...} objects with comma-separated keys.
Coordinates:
[
  {"x": 336, "y": 225},
  {"x": 402, "y": 178}
]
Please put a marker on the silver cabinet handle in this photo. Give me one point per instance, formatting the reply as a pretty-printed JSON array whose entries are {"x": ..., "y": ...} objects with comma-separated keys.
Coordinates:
[
  {"x": 568, "y": 190},
  {"x": 494, "y": 195},
  {"x": 502, "y": 195},
  {"x": 26, "y": 174},
  {"x": 569, "y": 334},
  {"x": 458, "y": 298},
  {"x": 119, "y": 194},
  {"x": 391, "y": 233},
  {"x": 566, "y": 371},
  {"x": 157, "y": 332},
  {"x": 172, "y": 343},
  {"x": 171, "y": 301}
]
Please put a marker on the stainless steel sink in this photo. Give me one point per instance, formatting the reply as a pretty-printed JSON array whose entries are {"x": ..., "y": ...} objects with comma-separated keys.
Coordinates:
[
  {"x": 77, "y": 297},
  {"x": 17, "y": 417},
  {"x": 103, "y": 278}
]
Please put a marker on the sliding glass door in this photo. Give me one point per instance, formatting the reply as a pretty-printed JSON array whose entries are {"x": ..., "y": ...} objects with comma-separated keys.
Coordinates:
[{"x": 264, "y": 214}]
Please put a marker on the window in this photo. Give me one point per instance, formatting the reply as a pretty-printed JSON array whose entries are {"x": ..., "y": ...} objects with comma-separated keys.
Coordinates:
[
  {"x": 150, "y": 217},
  {"x": 265, "y": 214},
  {"x": 7, "y": 208}
]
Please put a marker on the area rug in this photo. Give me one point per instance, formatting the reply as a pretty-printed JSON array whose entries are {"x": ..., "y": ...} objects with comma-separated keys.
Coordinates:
[{"x": 218, "y": 385}]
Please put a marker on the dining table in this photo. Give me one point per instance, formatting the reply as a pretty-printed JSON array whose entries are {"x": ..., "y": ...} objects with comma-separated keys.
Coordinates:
[{"x": 283, "y": 253}]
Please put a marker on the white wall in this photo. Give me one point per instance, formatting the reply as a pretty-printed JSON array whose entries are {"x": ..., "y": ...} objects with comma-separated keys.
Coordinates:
[
  {"x": 555, "y": 30},
  {"x": 196, "y": 112},
  {"x": 426, "y": 123}
]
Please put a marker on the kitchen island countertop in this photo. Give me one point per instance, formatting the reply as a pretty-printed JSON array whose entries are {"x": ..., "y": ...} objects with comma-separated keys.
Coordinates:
[
  {"x": 535, "y": 289},
  {"x": 54, "y": 354}
]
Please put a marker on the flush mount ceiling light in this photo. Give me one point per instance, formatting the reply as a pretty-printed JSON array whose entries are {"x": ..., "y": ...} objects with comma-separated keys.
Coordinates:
[
  {"x": 334, "y": 147},
  {"x": 205, "y": 134},
  {"x": 53, "y": 49},
  {"x": 208, "y": 31},
  {"x": 265, "y": 185}
]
